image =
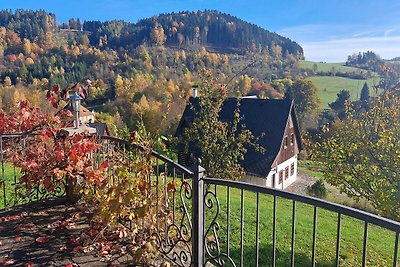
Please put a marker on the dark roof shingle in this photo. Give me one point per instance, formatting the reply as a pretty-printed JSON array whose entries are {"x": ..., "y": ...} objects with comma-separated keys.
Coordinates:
[{"x": 265, "y": 118}]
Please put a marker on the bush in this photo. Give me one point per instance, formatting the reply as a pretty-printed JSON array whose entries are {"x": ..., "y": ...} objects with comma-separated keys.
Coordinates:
[{"x": 317, "y": 189}]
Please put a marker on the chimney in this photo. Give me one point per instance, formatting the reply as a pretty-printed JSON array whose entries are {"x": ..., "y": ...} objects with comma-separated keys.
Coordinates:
[{"x": 195, "y": 86}]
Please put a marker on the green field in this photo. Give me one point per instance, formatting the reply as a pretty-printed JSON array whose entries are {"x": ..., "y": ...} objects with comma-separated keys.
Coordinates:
[
  {"x": 379, "y": 250},
  {"x": 329, "y": 86},
  {"x": 326, "y": 67}
]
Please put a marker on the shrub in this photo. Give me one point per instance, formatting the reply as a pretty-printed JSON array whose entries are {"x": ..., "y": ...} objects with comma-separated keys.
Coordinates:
[{"x": 317, "y": 189}]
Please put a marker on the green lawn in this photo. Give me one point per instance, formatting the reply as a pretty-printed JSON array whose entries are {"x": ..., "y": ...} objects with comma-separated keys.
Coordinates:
[
  {"x": 329, "y": 86},
  {"x": 7, "y": 188},
  {"x": 380, "y": 250}
]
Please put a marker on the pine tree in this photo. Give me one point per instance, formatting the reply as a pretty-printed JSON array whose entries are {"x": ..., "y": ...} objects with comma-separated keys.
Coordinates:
[{"x": 364, "y": 97}]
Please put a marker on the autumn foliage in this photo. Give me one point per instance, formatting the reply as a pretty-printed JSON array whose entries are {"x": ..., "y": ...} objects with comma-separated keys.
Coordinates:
[{"x": 113, "y": 184}]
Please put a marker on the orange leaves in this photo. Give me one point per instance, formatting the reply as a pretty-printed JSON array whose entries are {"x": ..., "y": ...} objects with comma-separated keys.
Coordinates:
[
  {"x": 58, "y": 173},
  {"x": 44, "y": 135},
  {"x": 42, "y": 240},
  {"x": 103, "y": 166},
  {"x": 10, "y": 218},
  {"x": 48, "y": 184},
  {"x": 73, "y": 155},
  {"x": 52, "y": 95},
  {"x": 93, "y": 176},
  {"x": 171, "y": 187},
  {"x": 80, "y": 89}
]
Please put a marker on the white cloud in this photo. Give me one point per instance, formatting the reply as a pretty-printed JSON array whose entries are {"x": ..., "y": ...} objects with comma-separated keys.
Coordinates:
[
  {"x": 333, "y": 43},
  {"x": 338, "y": 50}
]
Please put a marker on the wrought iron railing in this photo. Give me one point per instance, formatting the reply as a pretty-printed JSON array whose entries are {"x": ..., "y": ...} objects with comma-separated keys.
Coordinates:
[
  {"x": 175, "y": 231},
  {"x": 230, "y": 223},
  {"x": 218, "y": 235},
  {"x": 13, "y": 192}
]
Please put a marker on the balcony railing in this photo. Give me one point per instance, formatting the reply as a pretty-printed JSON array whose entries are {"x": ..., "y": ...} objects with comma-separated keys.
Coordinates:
[{"x": 229, "y": 223}]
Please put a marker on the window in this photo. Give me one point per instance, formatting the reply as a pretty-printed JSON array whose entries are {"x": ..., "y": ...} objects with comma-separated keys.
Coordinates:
[
  {"x": 281, "y": 177},
  {"x": 286, "y": 173},
  {"x": 292, "y": 139},
  {"x": 286, "y": 142},
  {"x": 291, "y": 169},
  {"x": 273, "y": 180}
]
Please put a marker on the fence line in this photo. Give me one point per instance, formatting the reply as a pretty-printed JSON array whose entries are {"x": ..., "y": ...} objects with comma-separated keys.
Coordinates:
[{"x": 191, "y": 237}]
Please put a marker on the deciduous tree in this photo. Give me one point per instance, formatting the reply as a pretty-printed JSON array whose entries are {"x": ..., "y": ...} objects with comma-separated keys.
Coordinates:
[
  {"x": 307, "y": 102},
  {"x": 362, "y": 154}
]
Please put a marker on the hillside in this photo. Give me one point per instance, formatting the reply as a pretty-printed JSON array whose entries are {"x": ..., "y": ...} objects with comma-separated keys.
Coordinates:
[
  {"x": 328, "y": 87},
  {"x": 329, "y": 67},
  {"x": 217, "y": 30},
  {"x": 330, "y": 78},
  {"x": 139, "y": 70}
]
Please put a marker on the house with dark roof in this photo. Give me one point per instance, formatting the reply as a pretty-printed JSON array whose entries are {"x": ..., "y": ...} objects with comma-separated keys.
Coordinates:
[{"x": 274, "y": 122}]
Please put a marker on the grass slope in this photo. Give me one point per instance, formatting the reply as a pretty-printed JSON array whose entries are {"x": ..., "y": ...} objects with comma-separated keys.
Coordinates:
[
  {"x": 379, "y": 250},
  {"x": 327, "y": 67},
  {"x": 329, "y": 86}
]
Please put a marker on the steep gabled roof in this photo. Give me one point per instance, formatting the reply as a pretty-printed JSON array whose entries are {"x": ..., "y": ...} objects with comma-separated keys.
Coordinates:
[{"x": 265, "y": 118}]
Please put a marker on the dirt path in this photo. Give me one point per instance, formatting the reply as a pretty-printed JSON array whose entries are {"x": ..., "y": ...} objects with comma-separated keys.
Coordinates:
[{"x": 300, "y": 185}]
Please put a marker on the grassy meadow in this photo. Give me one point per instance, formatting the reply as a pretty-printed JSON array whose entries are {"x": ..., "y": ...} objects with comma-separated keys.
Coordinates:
[
  {"x": 329, "y": 86},
  {"x": 326, "y": 67},
  {"x": 380, "y": 241},
  {"x": 333, "y": 193}
]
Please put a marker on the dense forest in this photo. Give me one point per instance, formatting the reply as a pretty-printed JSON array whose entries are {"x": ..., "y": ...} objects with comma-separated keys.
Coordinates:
[{"x": 144, "y": 69}]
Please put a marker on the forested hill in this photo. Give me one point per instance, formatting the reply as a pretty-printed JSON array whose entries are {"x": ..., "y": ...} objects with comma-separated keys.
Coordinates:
[
  {"x": 211, "y": 29},
  {"x": 144, "y": 69},
  {"x": 208, "y": 28}
]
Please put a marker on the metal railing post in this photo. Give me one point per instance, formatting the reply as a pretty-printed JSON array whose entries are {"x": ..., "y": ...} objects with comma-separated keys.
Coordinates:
[{"x": 198, "y": 216}]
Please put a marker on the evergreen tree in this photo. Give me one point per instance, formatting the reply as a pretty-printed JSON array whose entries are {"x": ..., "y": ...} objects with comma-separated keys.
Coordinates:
[
  {"x": 339, "y": 104},
  {"x": 364, "y": 97}
]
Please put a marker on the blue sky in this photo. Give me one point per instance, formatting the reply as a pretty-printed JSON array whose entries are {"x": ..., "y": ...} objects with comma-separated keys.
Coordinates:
[{"x": 328, "y": 30}]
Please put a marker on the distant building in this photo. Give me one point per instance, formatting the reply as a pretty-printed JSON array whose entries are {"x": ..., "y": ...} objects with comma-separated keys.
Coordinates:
[
  {"x": 275, "y": 123},
  {"x": 87, "y": 118},
  {"x": 85, "y": 115}
]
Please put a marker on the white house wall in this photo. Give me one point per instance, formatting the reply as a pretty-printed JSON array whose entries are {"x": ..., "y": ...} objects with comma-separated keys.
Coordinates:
[
  {"x": 282, "y": 167},
  {"x": 268, "y": 181}
]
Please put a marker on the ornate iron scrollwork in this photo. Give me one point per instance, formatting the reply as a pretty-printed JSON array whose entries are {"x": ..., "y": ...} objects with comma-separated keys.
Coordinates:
[
  {"x": 213, "y": 252},
  {"x": 38, "y": 192},
  {"x": 175, "y": 243}
]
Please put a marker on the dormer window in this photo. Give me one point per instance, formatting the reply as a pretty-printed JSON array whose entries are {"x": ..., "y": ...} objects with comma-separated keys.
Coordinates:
[
  {"x": 286, "y": 142},
  {"x": 292, "y": 139}
]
